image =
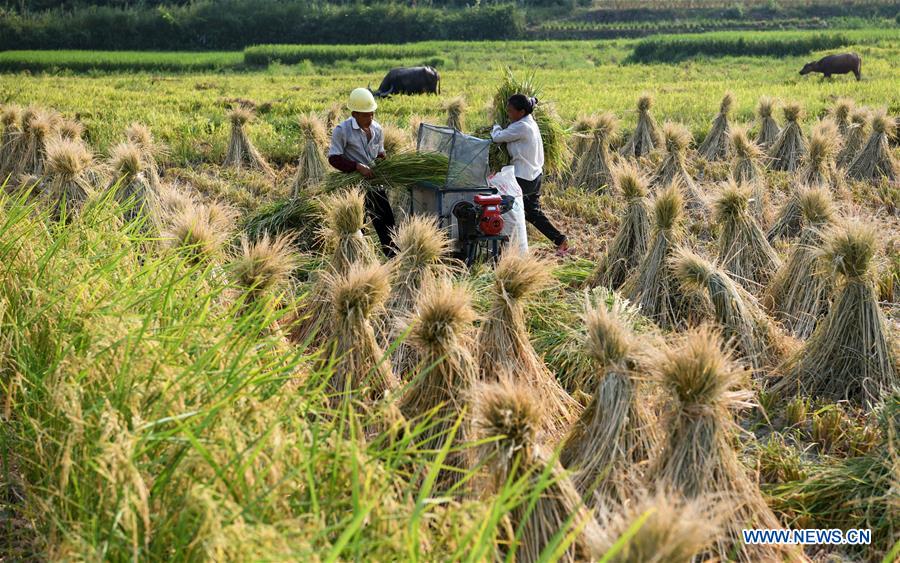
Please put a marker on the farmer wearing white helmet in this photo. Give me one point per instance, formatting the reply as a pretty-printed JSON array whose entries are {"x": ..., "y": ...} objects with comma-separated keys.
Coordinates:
[{"x": 356, "y": 144}]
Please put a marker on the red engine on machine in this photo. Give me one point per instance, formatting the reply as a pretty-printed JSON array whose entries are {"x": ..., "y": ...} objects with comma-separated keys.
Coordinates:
[{"x": 490, "y": 219}]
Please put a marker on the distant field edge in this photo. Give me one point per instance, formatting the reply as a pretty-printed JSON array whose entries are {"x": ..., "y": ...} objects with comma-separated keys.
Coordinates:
[{"x": 119, "y": 61}]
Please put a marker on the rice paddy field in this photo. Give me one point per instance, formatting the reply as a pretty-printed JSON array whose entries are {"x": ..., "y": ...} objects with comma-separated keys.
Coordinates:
[{"x": 204, "y": 356}]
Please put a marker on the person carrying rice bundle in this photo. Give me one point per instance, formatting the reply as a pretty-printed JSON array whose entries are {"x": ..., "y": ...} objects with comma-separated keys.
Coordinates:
[
  {"x": 356, "y": 143},
  {"x": 526, "y": 152}
]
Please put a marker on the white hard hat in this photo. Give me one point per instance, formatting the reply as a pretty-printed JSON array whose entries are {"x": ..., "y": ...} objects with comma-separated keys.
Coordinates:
[{"x": 362, "y": 100}]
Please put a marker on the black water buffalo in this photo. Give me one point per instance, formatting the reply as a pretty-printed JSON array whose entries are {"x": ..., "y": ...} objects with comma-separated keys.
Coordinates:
[
  {"x": 835, "y": 64},
  {"x": 410, "y": 80}
]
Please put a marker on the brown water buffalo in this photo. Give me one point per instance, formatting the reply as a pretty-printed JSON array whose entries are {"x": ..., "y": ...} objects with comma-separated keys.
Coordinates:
[
  {"x": 410, "y": 80},
  {"x": 835, "y": 64}
]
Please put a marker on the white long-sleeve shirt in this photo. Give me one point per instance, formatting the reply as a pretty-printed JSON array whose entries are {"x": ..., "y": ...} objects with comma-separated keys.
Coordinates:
[{"x": 524, "y": 144}]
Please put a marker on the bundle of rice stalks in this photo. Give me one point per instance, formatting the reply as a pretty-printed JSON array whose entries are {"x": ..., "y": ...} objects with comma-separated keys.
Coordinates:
[
  {"x": 311, "y": 165},
  {"x": 396, "y": 140},
  {"x": 131, "y": 181},
  {"x": 698, "y": 459},
  {"x": 768, "y": 128},
  {"x": 503, "y": 342},
  {"x": 508, "y": 420},
  {"x": 297, "y": 216},
  {"x": 789, "y": 149},
  {"x": 415, "y": 121},
  {"x": 580, "y": 139},
  {"x": 652, "y": 287},
  {"x": 855, "y": 138},
  {"x": 609, "y": 446},
  {"x": 422, "y": 248},
  {"x": 37, "y": 131},
  {"x": 140, "y": 135},
  {"x": 455, "y": 108},
  {"x": 743, "y": 248},
  {"x": 396, "y": 172},
  {"x": 11, "y": 119},
  {"x": 199, "y": 232},
  {"x": 333, "y": 116},
  {"x": 668, "y": 528},
  {"x": 630, "y": 243},
  {"x": 241, "y": 153},
  {"x": 646, "y": 134},
  {"x": 263, "y": 267},
  {"x": 593, "y": 170},
  {"x": 788, "y": 221},
  {"x": 876, "y": 160},
  {"x": 851, "y": 354},
  {"x": 361, "y": 370},
  {"x": 67, "y": 189},
  {"x": 800, "y": 292},
  {"x": 70, "y": 129},
  {"x": 715, "y": 145},
  {"x": 552, "y": 133},
  {"x": 440, "y": 330},
  {"x": 755, "y": 337},
  {"x": 840, "y": 114},
  {"x": 819, "y": 168},
  {"x": 676, "y": 139},
  {"x": 747, "y": 169}
]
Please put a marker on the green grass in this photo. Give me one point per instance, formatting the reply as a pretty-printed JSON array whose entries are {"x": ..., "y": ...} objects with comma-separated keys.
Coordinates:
[{"x": 116, "y": 61}]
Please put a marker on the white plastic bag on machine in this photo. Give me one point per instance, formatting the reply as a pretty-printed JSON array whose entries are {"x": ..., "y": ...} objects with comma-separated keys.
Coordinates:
[{"x": 514, "y": 220}]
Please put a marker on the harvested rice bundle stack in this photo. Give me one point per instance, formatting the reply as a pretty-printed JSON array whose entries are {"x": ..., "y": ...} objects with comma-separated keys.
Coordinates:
[
  {"x": 508, "y": 422},
  {"x": 297, "y": 216},
  {"x": 851, "y": 354},
  {"x": 580, "y": 141},
  {"x": 455, "y": 108},
  {"x": 875, "y": 160},
  {"x": 415, "y": 121},
  {"x": 610, "y": 445},
  {"x": 263, "y": 267},
  {"x": 241, "y": 152},
  {"x": 789, "y": 149},
  {"x": 856, "y": 137},
  {"x": 715, "y": 145},
  {"x": 140, "y": 135},
  {"x": 333, "y": 116},
  {"x": 819, "y": 168},
  {"x": 11, "y": 119},
  {"x": 743, "y": 248},
  {"x": 652, "y": 287},
  {"x": 840, "y": 114},
  {"x": 673, "y": 167},
  {"x": 70, "y": 129},
  {"x": 67, "y": 188},
  {"x": 768, "y": 128},
  {"x": 199, "y": 232},
  {"x": 440, "y": 329},
  {"x": 593, "y": 170},
  {"x": 787, "y": 223},
  {"x": 311, "y": 166},
  {"x": 504, "y": 345},
  {"x": 756, "y": 338},
  {"x": 38, "y": 131},
  {"x": 422, "y": 248},
  {"x": 15, "y": 152},
  {"x": 669, "y": 528},
  {"x": 361, "y": 371},
  {"x": 646, "y": 134},
  {"x": 800, "y": 292},
  {"x": 630, "y": 243},
  {"x": 396, "y": 140},
  {"x": 131, "y": 180},
  {"x": 747, "y": 169},
  {"x": 698, "y": 459}
]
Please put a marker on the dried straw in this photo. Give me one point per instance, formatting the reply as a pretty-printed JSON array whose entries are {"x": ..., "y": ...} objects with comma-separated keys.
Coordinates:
[
  {"x": 852, "y": 353},
  {"x": 70, "y": 129},
  {"x": 747, "y": 168},
  {"x": 876, "y": 160},
  {"x": 789, "y": 149},
  {"x": 396, "y": 140},
  {"x": 263, "y": 267},
  {"x": 38, "y": 131},
  {"x": 241, "y": 153},
  {"x": 756, "y": 338},
  {"x": 646, "y": 134},
  {"x": 743, "y": 248},
  {"x": 698, "y": 459},
  {"x": 311, "y": 164},
  {"x": 840, "y": 114},
  {"x": 768, "y": 128},
  {"x": 593, "y": 171},
  {"x": 440, "y": 330},
  {"x": 610, "y": 444},
  {"x": 141, "y": 136},
  {"x": 855, "y": 138},
  {"x": 800, "y": 292},
  {"x": 788, "y": 224},
  {"x": 456, "y": 108},
  {"x": 131, "y": 182},
  {"x": 819, "y": 167},
  {"x": 673, "y": 168},
  {"x": 333, "y": 116},
  {"x": 630, "y": 243},
  {"x": 67, "y": 189},
  {"x": 11, "y": 119},
  {"x": 199, "y": 232},
  {"x": 508, "y": 420},
  {"x": 715, "y": 145},
  {"x": 503, "y": 342}
]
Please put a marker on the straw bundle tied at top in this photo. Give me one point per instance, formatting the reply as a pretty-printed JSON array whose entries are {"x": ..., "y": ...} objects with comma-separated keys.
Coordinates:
[
  {"x": 876, "y": 160},
  {"x": 311, "y": 164},
  {"x": 768, "y": 129},
  {"x": 594, "y": 167},
  {"x": 67, "y": 189},
  {"x": 789, "y": 149},
  {"x": 715, "y": 145},
  {"x": 855, "y": 138},
  {"x": 241, "y": 152},
  {"x": 646, "y": 135}
]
